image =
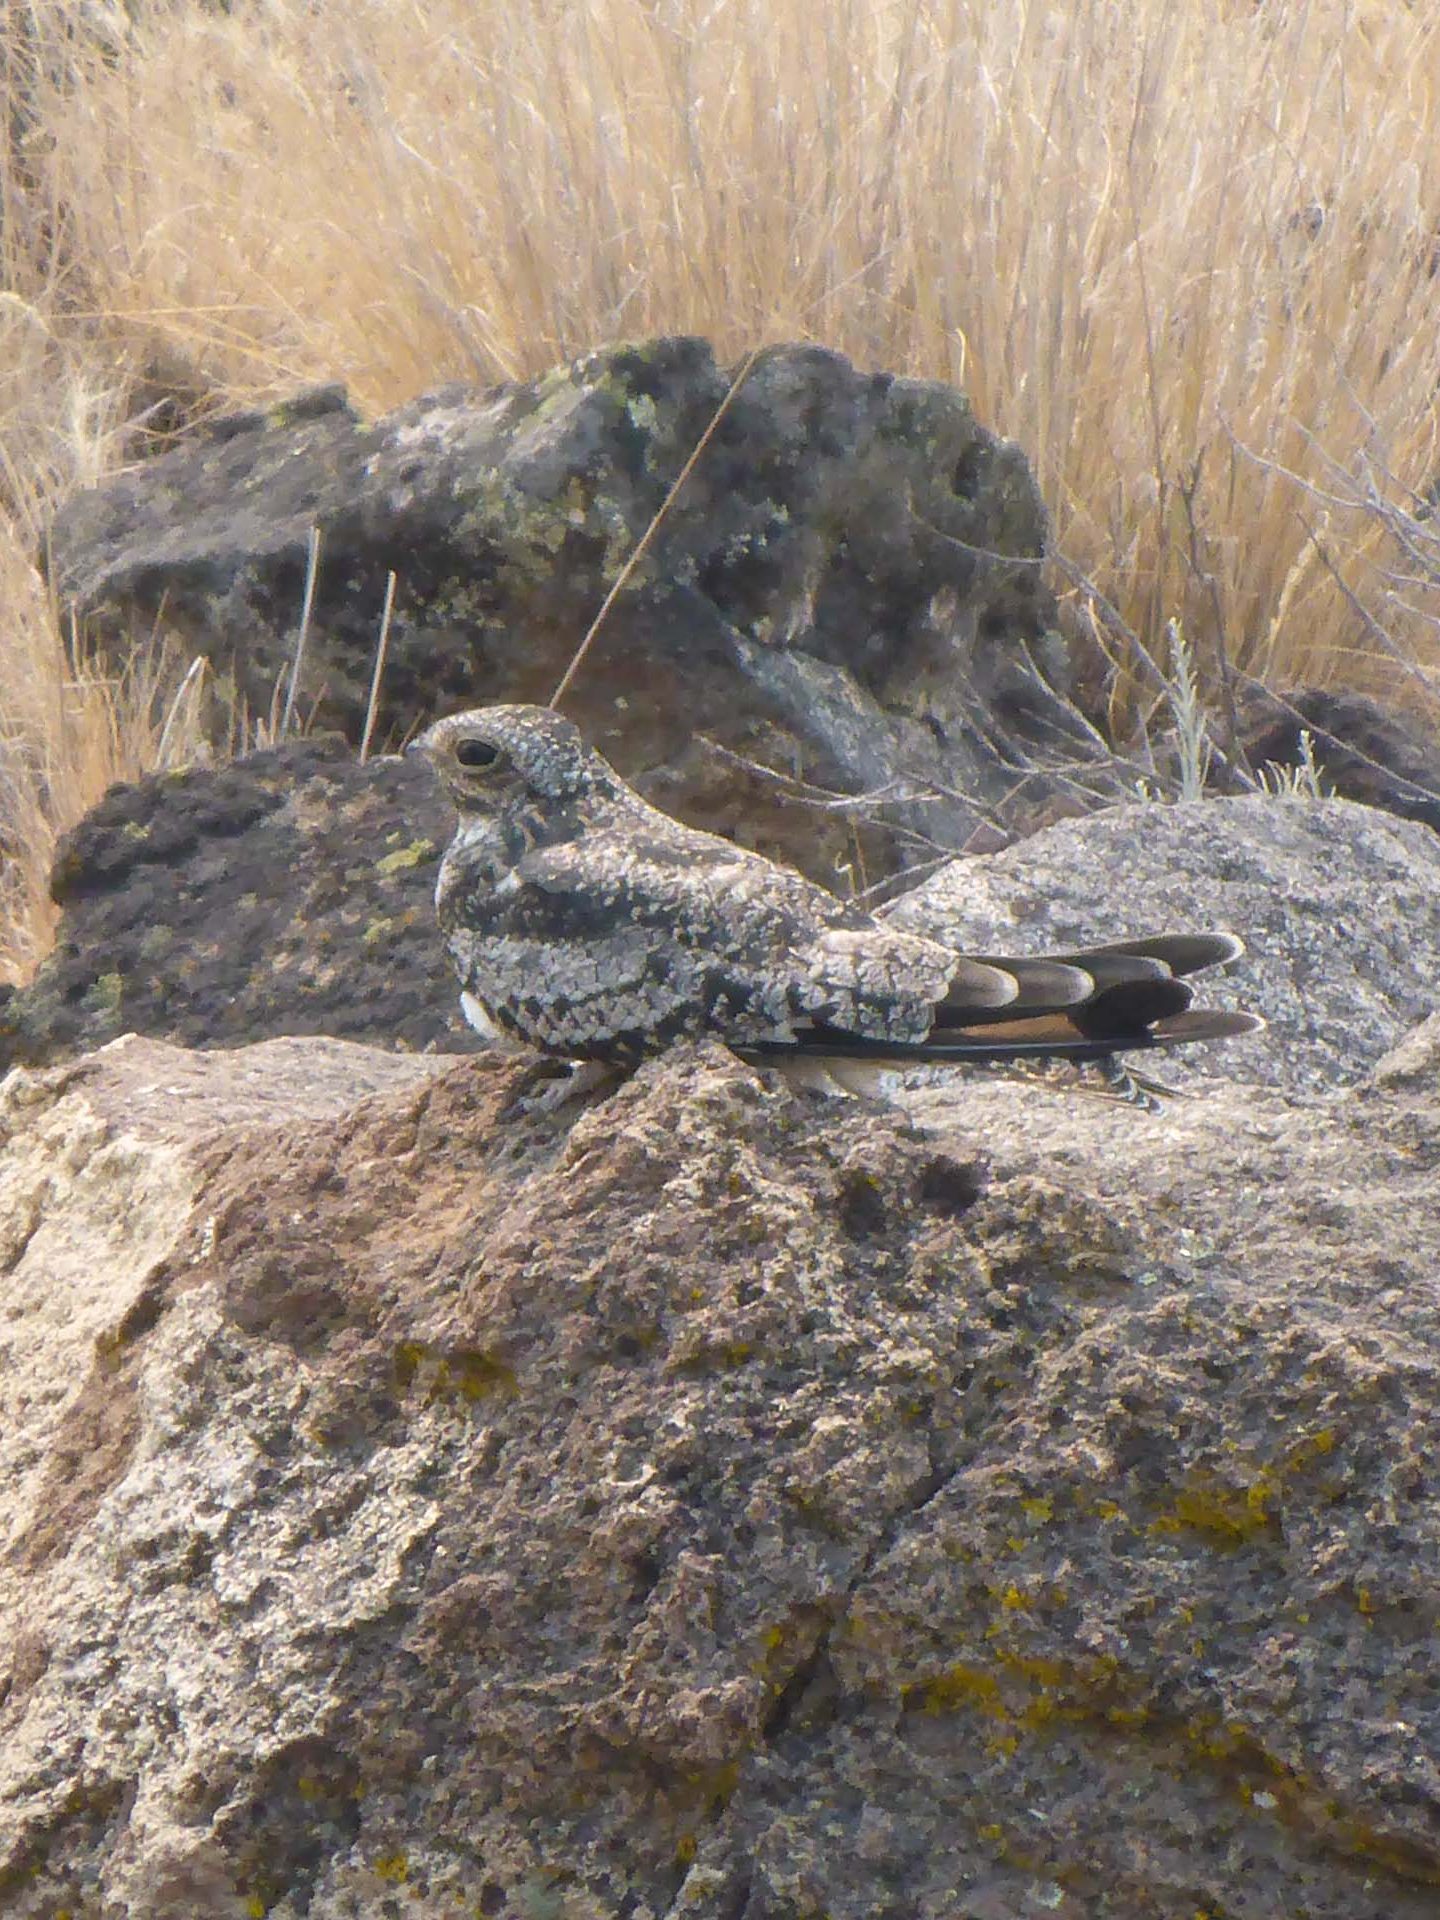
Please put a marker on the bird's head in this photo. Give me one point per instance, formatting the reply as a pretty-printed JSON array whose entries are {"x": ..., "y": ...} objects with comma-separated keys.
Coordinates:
[{"x": 494, "y": 757}]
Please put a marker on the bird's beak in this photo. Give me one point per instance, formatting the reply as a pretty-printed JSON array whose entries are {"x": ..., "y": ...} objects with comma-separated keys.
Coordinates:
[{"x": 418, "y": 748}]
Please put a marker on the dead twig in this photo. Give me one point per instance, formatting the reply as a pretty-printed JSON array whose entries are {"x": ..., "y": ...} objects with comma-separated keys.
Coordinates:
[
  {"x": 381, "y": 647},
  {"x": 312, "y": 569}
]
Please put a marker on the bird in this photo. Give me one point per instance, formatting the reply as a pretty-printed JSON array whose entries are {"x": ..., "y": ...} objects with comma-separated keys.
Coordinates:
[{"x": 587, "y": 926}]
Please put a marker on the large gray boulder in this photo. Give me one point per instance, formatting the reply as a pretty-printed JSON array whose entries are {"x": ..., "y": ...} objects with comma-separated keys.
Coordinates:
[{"x": 716, "y": 1503}]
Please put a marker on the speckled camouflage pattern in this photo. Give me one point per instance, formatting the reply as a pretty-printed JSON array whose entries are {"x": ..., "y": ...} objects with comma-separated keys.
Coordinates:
[
  {"x": 584, "y": 923},
  {"x": 588, "y": 924}
]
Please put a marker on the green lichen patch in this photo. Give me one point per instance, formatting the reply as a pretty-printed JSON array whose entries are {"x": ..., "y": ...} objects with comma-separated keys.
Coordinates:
[
  {"x": 416, "y": 854},
  {"x": 466, "y": 1374},
  {"x": 105, "y": 996}
]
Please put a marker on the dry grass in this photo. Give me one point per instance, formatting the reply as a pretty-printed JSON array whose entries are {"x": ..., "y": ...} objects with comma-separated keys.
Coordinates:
[
  {"x": 1183, "y": 251},
  {"x": 66, "y": 734}
]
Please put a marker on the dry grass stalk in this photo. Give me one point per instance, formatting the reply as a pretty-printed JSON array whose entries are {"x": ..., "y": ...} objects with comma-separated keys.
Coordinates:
[{"x": 307, "y": 609}]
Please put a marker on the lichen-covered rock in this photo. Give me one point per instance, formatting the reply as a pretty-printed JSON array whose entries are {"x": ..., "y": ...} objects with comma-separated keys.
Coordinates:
[
  {"x": 1338, "y": 904},
  {"x": 714, "y": 1503},
  {"x": 289, "y": 892},
  {"x": 846, "y": 585}
]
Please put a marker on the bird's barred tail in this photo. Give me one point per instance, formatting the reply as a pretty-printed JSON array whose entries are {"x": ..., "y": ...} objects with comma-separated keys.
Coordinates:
[
  {"x": 1094, "y": 1001},
  {"x": 1124, "y": 984},
  {"x": 1084, "y": 1005}
]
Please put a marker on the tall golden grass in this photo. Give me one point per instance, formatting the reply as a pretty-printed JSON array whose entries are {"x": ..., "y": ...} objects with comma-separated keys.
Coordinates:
[{"x": 1183, "y": 251}]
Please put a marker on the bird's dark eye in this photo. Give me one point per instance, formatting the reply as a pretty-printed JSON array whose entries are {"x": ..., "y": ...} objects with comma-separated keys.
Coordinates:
[{"x": 476, "y": 753}]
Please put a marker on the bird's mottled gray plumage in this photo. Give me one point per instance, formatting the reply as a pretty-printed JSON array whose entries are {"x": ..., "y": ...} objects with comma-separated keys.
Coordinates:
[{"x": 584, "y": 923}]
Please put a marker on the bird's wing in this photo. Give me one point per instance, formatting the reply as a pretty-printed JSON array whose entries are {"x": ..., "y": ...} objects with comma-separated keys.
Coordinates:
[
  {"x": 562, "y": 951},
  {"x": 759, "y": 947},
  {"x": 1087, "y": 1004},
  {"x": 637, "y": 931},
  {"x": 603, "y": 995}
]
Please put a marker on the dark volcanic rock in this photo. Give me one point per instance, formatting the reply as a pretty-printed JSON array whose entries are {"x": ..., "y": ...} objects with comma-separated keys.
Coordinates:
[
  {"x": 846, "y": 586},
  {"x": 1362, "y": 750},
  {"x": 289, "y": 892},
  {"x": 719, "y": 1504}
]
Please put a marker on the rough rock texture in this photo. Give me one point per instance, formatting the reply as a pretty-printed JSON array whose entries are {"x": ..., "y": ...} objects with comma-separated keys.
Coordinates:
[
  {"x": 1338, "y": 904},
  {"x": 847, "y": 584},
  {"x": 719, "y": 1503},
  {"x": 289, "y": 892}
]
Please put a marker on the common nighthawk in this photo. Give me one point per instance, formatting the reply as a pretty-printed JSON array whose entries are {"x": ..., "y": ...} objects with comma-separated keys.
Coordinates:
[{"x": 587, "y": 925}]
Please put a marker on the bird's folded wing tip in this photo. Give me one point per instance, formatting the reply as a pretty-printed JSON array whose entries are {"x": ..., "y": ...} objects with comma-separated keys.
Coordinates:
[{"x": 1205, "y": 1023}]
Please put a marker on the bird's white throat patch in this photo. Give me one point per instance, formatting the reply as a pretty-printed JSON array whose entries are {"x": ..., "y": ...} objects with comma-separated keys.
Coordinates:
[{"x": 479, "y": 1018}]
